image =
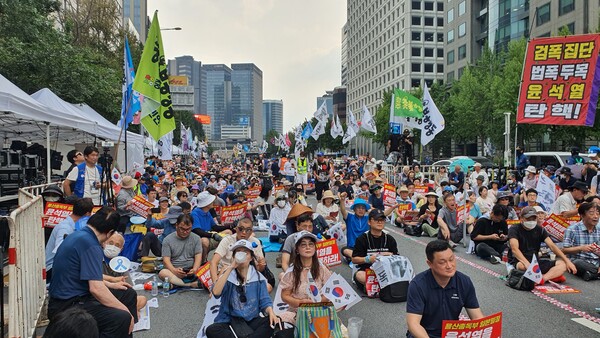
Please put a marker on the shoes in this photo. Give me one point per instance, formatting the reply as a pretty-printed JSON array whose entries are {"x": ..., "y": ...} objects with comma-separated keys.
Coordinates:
[
  {"x": 495, "y": 259},
  {"x": 452, "y": 244},
  {"x": 559, "y": 279},
  {"x": 587, "y": 276}
]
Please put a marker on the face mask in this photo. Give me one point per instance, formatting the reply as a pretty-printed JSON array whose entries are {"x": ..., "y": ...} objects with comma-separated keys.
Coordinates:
[
  {"x": 529, "y": 224},
  {"x": 111, "y": 251},
  {"x": 240, "y": 257},
  {"x": 281, "y": 204},
  {"x": 52, "y": 198},
  {"x": 357, "y": 183},
  {"x": 563, "y": 176},
  {"x": 509, "y": 182}
]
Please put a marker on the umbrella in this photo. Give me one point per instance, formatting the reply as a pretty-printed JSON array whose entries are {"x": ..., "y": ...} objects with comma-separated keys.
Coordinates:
[{"x": 464, "y": 163}]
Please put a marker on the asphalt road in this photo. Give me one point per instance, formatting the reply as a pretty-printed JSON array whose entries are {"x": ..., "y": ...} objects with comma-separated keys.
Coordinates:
[{"x": 525, "y": 314}]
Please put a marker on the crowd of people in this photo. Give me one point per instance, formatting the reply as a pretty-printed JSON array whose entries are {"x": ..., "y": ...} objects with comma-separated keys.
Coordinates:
[{"x": 504, "y": 220}]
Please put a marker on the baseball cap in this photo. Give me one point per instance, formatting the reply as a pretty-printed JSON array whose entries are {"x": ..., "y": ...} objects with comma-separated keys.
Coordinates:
[
  {"x": 242, "y": 243},
  {"x": 528, "y": 212},
  {"x": 376, "y": 214},
  {"x": 304, "y": 234}
]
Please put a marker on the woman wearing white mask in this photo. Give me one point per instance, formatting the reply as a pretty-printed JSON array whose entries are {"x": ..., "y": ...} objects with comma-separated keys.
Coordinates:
[
  {"x": 115, "y": 281},
  {"x": 280, "y": 212},
  {"x": 243, "y": 293}
]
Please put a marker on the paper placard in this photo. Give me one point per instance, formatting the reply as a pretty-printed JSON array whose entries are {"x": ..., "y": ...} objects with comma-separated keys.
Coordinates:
[
  {"x": 556, "y": 226},
  {"x": 336, "y": 231},
  {"x": 203, "y": 275},
  {"x": 230, "y": 214},
  {"x": 411, "y": 216},
  {"x": 56, "y": 212},
  {"x": 392, "y": 269},
  {"x": 371, "y": 284},
  {"x": 421, "y": 189},
  {"x": 252, "y": 194},
  {"x": 140, "y": 206},
  {"x": 490, "y": 326},
  {"x": 389, "y": 194},
  {"x": 328, "y": 252}
]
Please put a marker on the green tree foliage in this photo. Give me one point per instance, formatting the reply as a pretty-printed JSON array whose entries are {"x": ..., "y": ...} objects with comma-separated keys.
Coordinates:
[{"x": 188, "y": 120}]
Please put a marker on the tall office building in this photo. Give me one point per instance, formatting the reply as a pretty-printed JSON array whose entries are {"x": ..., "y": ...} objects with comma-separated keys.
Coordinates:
[
  {"x": 218, "y": 97},
  {"x": 391, "y": 44},
  {"x": 273, "y": 116},
  {"x": 339, "y": 102},
  {"x": 344, "y": 59},
  {"x": 187, "y": 66},
  {"x": 247, "y": 98},
  {"x": 136, "y": 11}
]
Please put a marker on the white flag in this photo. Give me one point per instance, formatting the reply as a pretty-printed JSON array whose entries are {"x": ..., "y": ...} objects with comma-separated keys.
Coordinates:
[
  {"x": 433, "y": 121},
  {"x": 318, "y": 130},
  {"x": 533, "y": 271},
  {"x": 339, "y": 292},
  {"x": 165, "y": 145},
  {"x": 321, "y": 114},
  {"x": 546, "y": 191},
  {"x": 368, "y": 123},
  {"x": 336, "y": 127},
  {"x": 352, "y": 121},
  {"x": 116, "y": 176},
  {"x": 349, "y": 135}
]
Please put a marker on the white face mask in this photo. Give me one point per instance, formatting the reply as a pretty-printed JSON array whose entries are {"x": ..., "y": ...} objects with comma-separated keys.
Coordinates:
[
  {"x": 281, "y": 204},
  {"x": 529, "y": 224},
  {"x": 111, "y": 251},
  {"x": 357, "y": 183},
  {"x": 52, "y": 198},
  {"x": 240, "y": 257}
]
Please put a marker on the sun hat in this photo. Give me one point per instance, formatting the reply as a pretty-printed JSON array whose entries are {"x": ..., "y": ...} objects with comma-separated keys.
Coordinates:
[
  {"x": 403, "y": 188},
  {"x": 299, "y": 209},
  {"x": 173, "y": 214},
  {"x": 327, "y": 194},
  {"x": 204, "y": 198},
  {"x": 195, "y": 187},
  {"x": 178, "y": 178},
  {"x": 531, "y": 169},
  {"x": 360, "y": 201},
  {"x": 128, "y": 182},
  {"x": 432, "y": 194}
]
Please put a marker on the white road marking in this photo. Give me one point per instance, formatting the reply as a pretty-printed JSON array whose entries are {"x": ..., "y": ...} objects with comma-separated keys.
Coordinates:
[{"x": 587, "y": 323}]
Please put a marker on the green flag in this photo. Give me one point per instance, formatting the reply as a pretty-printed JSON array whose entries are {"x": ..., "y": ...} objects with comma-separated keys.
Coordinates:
[
  {"x": 152, "y": 81},
  {"x": 406, "y": 105}
]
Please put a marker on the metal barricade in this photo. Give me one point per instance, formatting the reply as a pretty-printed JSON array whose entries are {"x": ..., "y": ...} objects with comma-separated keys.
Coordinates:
[{"x": 26, "y": 267}]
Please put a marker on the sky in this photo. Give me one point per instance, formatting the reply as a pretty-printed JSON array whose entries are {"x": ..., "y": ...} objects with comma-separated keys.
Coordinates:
[{"x": 296, "y": 44}]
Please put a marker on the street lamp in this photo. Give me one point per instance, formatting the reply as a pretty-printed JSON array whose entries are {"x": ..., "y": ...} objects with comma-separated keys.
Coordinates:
[{"x": 171, "y": 29}]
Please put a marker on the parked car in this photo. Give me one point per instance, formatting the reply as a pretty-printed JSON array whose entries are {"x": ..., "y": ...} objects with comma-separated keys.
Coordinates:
[{"x": 540, "y": 159}]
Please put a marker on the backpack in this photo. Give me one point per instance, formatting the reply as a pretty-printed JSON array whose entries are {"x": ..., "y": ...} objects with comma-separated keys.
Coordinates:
[
  {"x": 517, "y": 280},
  {"x": 394, "y": 293}
]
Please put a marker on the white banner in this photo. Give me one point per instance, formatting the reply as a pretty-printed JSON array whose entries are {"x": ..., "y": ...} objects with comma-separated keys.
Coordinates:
[
  {"x": 318, "y": 130},
  {"x": 433, "y": 121},
  {"x": 546, "y": 189},
  {"x": 336, "y": 127},
  {"x": 165, "y": 147},
  {"x": 368, "y": 123},
  {"x": 392, "y": 269},
  {"x": 211, "y": 312}
]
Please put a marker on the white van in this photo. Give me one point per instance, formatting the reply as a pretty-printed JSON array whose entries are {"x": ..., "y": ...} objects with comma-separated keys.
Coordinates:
[{"x": 540, "y": 159}]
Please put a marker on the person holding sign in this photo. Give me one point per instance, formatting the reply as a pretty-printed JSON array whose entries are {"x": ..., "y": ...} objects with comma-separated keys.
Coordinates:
[
  {"x": 428, "y": 214},
  {"x": 404, "y": 204},
  {"x": 304, "y": 278},
  {"x": 439, "y": 294},
  {"x": 329, "y": 210},
  {"x": 524, "y": 242},
  {"x": 371, "y": 244},
  {"x": 582, "y": 242}
]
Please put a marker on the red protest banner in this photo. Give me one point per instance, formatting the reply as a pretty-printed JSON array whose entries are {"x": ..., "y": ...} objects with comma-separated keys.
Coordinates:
[
  {"x": 556, "y": 226},
  {"x": 253, "y": 194},
  {"x": 461, "y": 214},
  {"x": 389, "y": 194},
  {"x": 203, "y": 275},
  {"x": 490, "y": 326},
  {"x": 140, "y": 206},
  {"x": 329, "y": 253},
  {"x": 555, "y": 289},
  {"x": 56, "y": 213},
  {"x": 232, "y": 213},
  {"x": 371, "y": 284},
  {"x": 403, "y": 208},
  {"x": 411, "y": 216},
  {"x": 421, "y": 189},
  {"x": 558, "y": 81}
]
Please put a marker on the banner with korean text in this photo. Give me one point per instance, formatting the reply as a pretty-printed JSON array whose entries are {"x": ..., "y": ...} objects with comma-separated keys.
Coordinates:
[
  {"x": 233, "y": 213},
  {"x": 490, "y": 326},
  {"x": 560, "y": 81}
]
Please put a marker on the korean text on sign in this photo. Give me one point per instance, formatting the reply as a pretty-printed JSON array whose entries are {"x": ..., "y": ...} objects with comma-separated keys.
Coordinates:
[
  {"x": 56, "y": 213},
  {"x": 558, "y": 84},
  {"x": 230, "y": 214},
  {"x": 487, "y": 327},
  {"x": 328, "y": 252}
]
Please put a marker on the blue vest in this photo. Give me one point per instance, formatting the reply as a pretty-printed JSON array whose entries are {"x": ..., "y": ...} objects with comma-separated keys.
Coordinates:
[{"x": 80, "y": 182}]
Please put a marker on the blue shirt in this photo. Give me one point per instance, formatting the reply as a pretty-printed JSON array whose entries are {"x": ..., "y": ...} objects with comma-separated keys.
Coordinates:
[
  {"x": 202, "y": 220},
  {"x": 576, "y": 235},
  {"x": 355, "y": 226},
  {"x": 77, "y": 261},
  {"x": 257, "y": 298},
  {"x": 164, "y": 224},
  {"x": 428, "y": 299},
  {"x": 60, "y": 231}
]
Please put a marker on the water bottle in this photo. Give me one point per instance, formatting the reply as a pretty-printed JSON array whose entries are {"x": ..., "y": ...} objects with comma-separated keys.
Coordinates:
[
  {"x": 166, "y": 287},
  {"x": 154, "y": 287}
]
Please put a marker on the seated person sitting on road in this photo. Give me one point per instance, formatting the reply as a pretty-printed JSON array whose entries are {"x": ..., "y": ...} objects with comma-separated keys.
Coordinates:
[
  {"x": 531, "y": 199},
  {"x": 439, "y": 293},
  {"x": 328, "y": 209},
  {"x": 371, "y": 244},
  {"x": 579, "y": 239},
  {"x": 204, "y": 224},
  {"x": 294, "y": 284},
  {"x": 363, "y": 192},
  {"x": 485, "y": 201},
  {"x": 153, "y": 243},
  {"x": 356, "y": 223},
  {"x": 428, "y": 214},
  {"x": 490, "y": 234},
  {"x": 402, "y": 198},
  {"x": 81, "y": 207},
  {"x": 115, "y": 281},
  {"x": 74, "y": 322},
  {"x": 304, "y": 222},
  {"x": 243, "y": 293},
  {"x": 566, "y": 204},
  {"x": 449, "y": 230},
  {"x": 223, "y": 257},
  {"x": 504, "y": 198},
  {"x": 279, "y": 213},
  {"x": 525, "y": 240},
  {"x": 182, "y": 254},
  {"x": 474, "y": 211},
  {"x": 77, "y": 277},
  {"x": 376, "y": 198},
  {"x": 566, "y": 179}
]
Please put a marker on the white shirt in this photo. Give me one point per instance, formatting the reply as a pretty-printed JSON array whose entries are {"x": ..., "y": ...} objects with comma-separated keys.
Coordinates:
[
  {"x": 474, "y": 175},
  {"x": 564, "y": 202},
  {"x": 89, "y": 189}
]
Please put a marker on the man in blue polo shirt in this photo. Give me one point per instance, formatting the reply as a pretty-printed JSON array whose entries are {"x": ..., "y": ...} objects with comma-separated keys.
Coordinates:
[
  {"x": 356, "y": 223},
  {"x": 439, "y": 293},
  {"x": 204, "y": 224},
  {"x": 77, "y": 277}
]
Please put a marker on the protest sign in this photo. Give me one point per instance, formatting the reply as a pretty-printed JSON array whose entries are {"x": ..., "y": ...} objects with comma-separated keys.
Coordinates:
[
  {"x": 56, "y": 213},
  {"x": 339, "y": 292},
  {"x": 252, "y": 194},
  {"x": 371, "y": 284},
  {"x": 462, "y": 214},
  {"x": 392, "y": 269},
  {"x": 553, "y": 288},
  {"x": 203, "y": 275},
  {"x": 140, "y": 206},
  {"x": 421, "y": 189},
  {"x": 328, "y": 252},
  {"x": 411, "y": 216},
  {"x": 490, "y": 326},
  {"x": 511, "y": 222},
  {"x": 263, "y": 225},
  {"x": 559, "y": 84},
  {"x": 546, "y": 189},
  {"x": 556, "y": 226},
  {"x": 389, "y": 194},
  {"x": 232, "y": 213},
  {"x": 277, "y": 189},
  {"x": 403, "y": 208}
]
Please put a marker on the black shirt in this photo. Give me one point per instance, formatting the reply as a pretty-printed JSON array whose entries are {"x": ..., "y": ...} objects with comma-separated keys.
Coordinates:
[
  {"x": 485, "y": 226},
  {"x": 376, "y": 202},
  {"x": 348, "y": 190},
  {"x": 395, "y": 142},
  {"x": 367, "y": 244},
  {"x": 424, "y": 208},
  {"x": 322, "y": 171},
  {"x": 529, "y": 241}
]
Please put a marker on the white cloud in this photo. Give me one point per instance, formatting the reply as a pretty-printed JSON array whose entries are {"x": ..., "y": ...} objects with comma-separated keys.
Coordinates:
[{"x": 295, "y": 43}]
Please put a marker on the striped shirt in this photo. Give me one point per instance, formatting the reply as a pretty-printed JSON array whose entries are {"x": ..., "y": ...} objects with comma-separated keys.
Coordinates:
[{"x": 577, "y": 235}]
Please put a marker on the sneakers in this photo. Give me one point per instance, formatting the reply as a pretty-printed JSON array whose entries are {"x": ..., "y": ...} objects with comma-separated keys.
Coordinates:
[
  {"x": 559, "y": 279},
  {"x": 495, "y": 259},
  {"x": 587, "y": 276},
  {"x": 452, "y": 244}
]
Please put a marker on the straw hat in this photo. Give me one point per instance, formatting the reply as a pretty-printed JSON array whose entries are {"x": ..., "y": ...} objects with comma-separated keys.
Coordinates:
[
  {"x": 128, "y": 182},
  {"x": 299, "y": 209},
  {"x": 327, "y": 194}
]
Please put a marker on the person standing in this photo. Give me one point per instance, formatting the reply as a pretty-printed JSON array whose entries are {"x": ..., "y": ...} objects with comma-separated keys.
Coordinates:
[
  {"x": 407, "y": 146},
  {"x": 302, "y": 170},
  {"x": 322, "y": 172},
  {"x": 86, "y": 177},
  {"x": 124, "y": 200}
]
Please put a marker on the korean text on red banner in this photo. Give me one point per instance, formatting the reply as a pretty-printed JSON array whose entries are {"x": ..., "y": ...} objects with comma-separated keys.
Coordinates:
[
  {"x": 389, "y": 194},
  {"x": 371, "y": 284},
  {"x": 230, "y": 214},
  {"x": 56, "y": 213},
  {"x": 560, "y": 81},
  {"x": 556, "y": 226},
  {"x": 203, "y": 275},
  {"x": 253, "y": 194},
  {"x": 328, "y": 252},
  {"x": 140, "y": 206},
  {"x": 490, "y": 326}
]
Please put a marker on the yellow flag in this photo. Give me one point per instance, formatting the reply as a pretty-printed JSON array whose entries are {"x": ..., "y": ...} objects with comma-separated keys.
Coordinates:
[{"x": 152, "y": 81}]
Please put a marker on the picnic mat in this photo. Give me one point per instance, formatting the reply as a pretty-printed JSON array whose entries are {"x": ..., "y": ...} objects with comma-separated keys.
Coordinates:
[{"x": 268, "y": 246}]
